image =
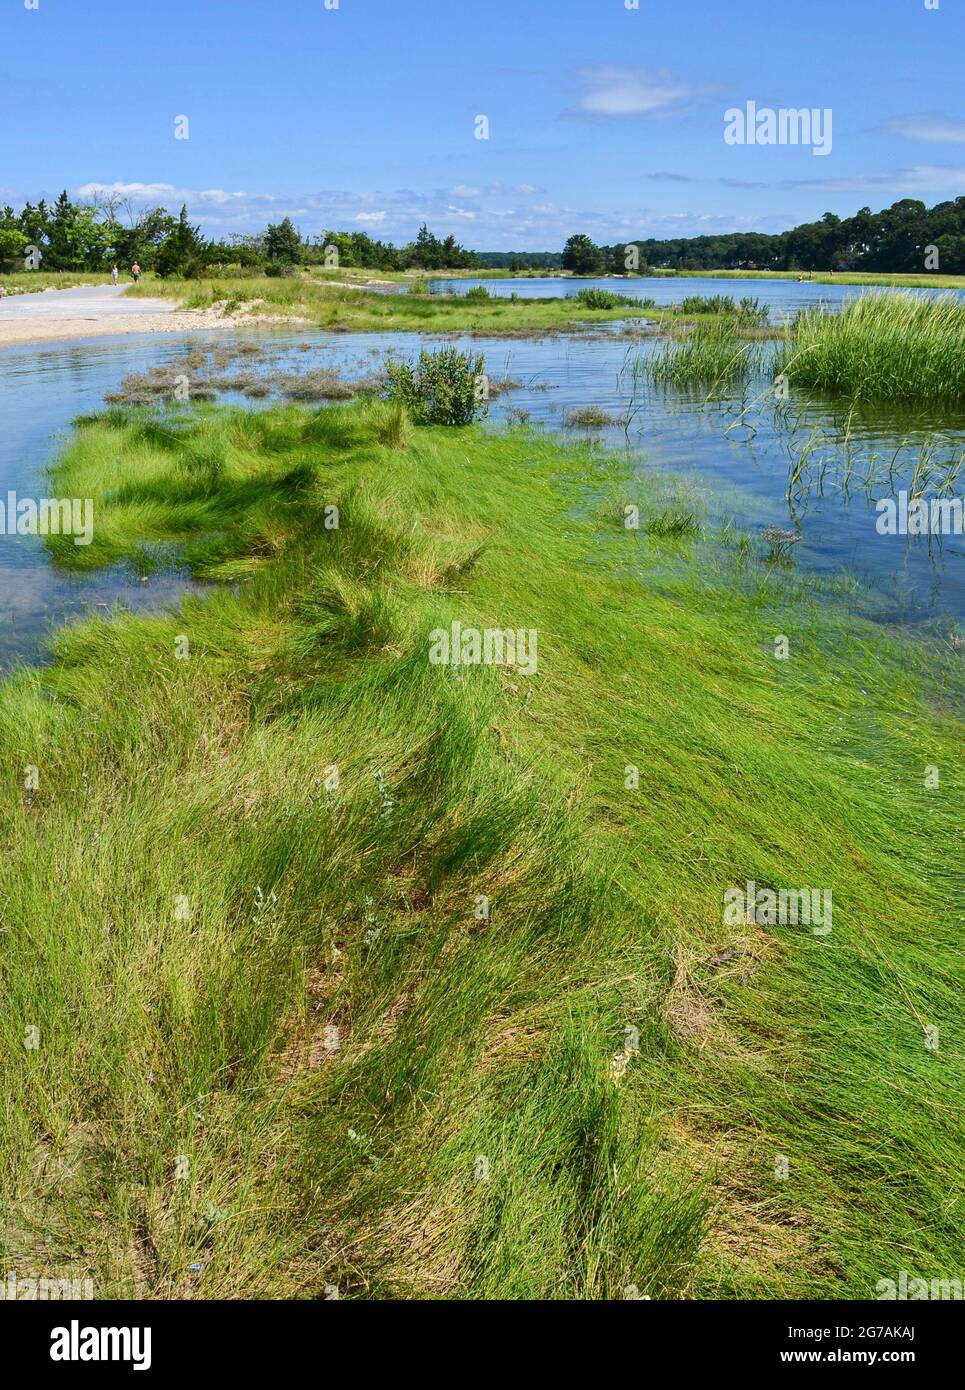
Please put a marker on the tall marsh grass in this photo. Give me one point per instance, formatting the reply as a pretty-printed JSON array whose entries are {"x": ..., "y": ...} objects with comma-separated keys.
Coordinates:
[
  {"x": 882, "y": 347},
  {"x": 711, "y": 355}
]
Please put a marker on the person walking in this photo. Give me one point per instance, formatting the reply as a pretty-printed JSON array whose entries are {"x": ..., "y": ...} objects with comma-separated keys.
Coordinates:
[
  {"x": 114, "y": 273},
  {"x": 136, "y": 272}
]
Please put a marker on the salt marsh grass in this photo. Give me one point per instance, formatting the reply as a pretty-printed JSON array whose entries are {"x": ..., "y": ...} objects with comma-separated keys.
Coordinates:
[
  {"x": 258, "y": 1040},
  {"x": 881, "y": 347}
]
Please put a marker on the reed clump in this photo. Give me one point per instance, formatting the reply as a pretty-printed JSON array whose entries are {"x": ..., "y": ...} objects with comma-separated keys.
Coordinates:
[{"x": 882, "y": 347}]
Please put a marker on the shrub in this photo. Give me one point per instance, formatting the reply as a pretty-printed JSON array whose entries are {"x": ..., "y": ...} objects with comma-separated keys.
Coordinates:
[
  {"x": 477, "y": 292},
  {"x": 603, "y": 299},
  {"x": 752, "y": 311},
  {"x": 708, "y": 304},
  {"x": 441, "y": 390}
]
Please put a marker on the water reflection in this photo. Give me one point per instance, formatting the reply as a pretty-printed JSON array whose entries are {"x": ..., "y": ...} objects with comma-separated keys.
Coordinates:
[{"x": 815, "y": 467}]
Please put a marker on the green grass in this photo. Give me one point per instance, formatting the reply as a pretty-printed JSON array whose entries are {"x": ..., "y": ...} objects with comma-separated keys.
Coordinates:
[
  {"x": 190, "y": 901},
  {"x": 606, "y": 299},
  {"x": 710, "y": 355},
  {"x": 881, "y": 347},
  {"x": 343, "y": 308},
  {"x": 32, "y": 281}
]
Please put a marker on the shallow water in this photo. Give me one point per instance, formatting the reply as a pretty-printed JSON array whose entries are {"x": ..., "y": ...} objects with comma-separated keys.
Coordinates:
[
  {"x": 735, "y": 456},
  {"x": 783, "y": 298}
]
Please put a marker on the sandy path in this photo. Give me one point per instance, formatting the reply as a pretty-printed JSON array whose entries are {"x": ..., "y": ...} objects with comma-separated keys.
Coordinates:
[{"x": 94, "y": 311}]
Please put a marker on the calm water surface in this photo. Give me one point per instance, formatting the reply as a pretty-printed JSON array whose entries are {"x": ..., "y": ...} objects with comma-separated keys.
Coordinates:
[
  {"x": 782, "y": 297},
  {"x": 734, "y": 455}
]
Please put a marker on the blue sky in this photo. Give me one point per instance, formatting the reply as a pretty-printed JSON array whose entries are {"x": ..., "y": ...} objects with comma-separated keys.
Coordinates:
[{"x": 602, "y": 119}]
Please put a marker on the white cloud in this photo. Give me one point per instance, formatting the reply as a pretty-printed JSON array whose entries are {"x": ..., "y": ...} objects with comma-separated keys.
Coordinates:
[
  {"x": 932, "y": 128},
  {"x": 167, "y": 193},
  {"x": 498, "y": 215},
  {"x": 619, "y": 92}
]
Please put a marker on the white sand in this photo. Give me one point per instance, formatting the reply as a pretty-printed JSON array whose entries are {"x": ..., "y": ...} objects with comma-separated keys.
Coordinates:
[{"x": 96, "y": 311}]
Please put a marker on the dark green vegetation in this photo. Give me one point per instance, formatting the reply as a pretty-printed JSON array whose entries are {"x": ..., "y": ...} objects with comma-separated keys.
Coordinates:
[
  {"x": 445, "y": 387},
  {"x": 289, "y": 826},
  {"x": 92, "y": 236},
  {"x": 906, "y": 237},
  {"x": 606, "y": 299}
]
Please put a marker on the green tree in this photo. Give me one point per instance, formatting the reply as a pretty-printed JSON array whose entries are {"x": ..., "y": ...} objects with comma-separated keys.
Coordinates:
[
  {"x": 582, "y": 256},
  {"x": 283, "y": 245},
  {"x": 184, "y": 252}
]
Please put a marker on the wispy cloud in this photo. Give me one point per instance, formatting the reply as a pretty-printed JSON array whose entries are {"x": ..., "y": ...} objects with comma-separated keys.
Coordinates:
[
  {"x": 167, "y": 193},
  {"x": 934, "y": 129},
  {"x": 918, "y": 178},
  {"x": 619, "y": 92},
  {"x": 485, "y": 216},
  {"x": 664, "y": 177}
]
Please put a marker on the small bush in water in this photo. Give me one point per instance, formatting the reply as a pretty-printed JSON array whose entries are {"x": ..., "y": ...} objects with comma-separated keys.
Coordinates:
[
  {"x": 443, "y": 388},
  {"x": 752, "y": 311},
  {"x": 477, "y": 292},
  {"x": 708, "y": 304},
  {"x": 604, "y": 299}
]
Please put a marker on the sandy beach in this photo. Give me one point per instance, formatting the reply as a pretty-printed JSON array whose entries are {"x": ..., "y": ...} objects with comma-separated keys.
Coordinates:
[{"x": 95, "y": 311}]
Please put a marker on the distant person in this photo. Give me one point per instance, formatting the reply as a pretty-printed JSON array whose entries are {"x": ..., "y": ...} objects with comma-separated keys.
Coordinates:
[
  {"x": 136, "y": 272},
  {"x": 114, "y": 273}
]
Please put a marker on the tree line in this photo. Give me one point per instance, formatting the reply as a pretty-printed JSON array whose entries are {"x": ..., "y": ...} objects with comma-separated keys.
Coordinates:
[
  {"x": 93, "y": 236},
  {"x": 906, "y": 237}
]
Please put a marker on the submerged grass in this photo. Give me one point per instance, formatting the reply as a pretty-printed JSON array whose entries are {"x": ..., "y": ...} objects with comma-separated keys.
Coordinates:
[{"x": 325, "y": 965}]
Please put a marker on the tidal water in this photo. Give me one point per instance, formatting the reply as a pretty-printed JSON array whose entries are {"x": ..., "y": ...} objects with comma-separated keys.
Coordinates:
[
  {"x": 783, "y": 298},
  {"x": 735, "y": 456}
]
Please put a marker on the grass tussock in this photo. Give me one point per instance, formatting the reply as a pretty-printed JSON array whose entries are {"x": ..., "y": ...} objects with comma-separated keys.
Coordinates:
[
  {"x": 881, "y": 348},
  {"x": 326, "y": 965}
]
